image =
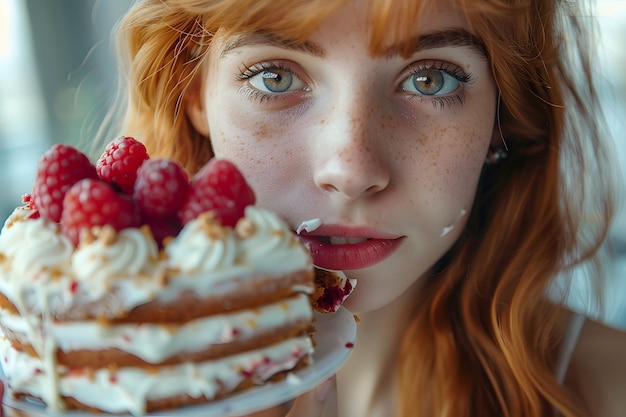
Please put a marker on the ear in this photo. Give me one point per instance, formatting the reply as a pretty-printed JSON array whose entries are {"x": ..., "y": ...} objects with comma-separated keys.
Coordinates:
[{"x": 195, "y": 109}]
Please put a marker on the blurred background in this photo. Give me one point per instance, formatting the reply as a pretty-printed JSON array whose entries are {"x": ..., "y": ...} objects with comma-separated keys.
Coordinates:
[
  {"x": 58, "y": 78},
  {"x": 57, "y": 81}
]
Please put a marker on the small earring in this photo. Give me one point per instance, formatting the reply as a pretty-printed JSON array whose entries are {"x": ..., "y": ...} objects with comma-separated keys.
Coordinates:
[{"x": 495, "y": 155}]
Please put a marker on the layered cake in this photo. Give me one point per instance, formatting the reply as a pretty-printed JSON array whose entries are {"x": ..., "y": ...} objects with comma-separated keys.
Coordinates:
[
  {"x": 127, "y": 287},
  {"x": 332, "y": 288}
]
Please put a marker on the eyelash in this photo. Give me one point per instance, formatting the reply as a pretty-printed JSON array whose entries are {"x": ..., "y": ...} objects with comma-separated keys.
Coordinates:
[
  {"x": 445, "y": 101},
  {"x": 245, "y": 72},
  {"x": 248, "y": 71}
]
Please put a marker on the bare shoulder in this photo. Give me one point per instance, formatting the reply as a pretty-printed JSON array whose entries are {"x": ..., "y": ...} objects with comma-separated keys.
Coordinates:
[{"x": 597, "y": 373}]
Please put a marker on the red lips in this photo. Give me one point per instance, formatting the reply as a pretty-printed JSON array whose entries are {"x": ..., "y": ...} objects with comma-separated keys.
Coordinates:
[{"x": 349, "y": 256}]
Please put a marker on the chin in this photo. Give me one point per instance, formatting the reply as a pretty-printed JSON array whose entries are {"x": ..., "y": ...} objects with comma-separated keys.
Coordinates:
[
  {"x": 365, "y": 300},
  {"x": 375, "y": 289}
]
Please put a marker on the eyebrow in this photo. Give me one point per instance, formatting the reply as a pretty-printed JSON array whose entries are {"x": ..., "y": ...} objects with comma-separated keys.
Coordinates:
[
  {"x": 454, "y": 37},
  {"x": 269, "y": 39}
]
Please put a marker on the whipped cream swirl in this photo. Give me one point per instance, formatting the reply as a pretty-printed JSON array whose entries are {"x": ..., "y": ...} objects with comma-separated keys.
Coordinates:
[
  {"x": 34, "y": 246},
  {"x": 100, "y": 264},
  {"x": 271, "y": 244},
  {"x": 202, "y": 247}
]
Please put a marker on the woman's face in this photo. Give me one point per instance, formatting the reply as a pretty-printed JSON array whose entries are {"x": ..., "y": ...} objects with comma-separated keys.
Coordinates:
[{"x": 385, "y": 150}]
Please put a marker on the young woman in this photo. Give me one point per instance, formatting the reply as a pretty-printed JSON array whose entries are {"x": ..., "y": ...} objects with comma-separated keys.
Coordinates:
[{"x": 447, "y": 146}]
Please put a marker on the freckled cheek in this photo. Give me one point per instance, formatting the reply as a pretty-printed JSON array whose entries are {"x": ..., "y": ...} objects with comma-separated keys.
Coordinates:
[
  {"x": 236, "y": 136},
  {"x": 262, "y": 149},
  {"x": 447, "y": 160}
]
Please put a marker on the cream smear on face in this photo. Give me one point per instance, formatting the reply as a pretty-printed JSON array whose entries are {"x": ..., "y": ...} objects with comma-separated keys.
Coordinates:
[
  {"x": 309, "y": 225},
  {"x": 452, "y": 225}
]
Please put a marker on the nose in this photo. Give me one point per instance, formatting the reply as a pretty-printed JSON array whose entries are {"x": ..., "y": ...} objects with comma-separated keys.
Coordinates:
[{"x": 351, "y": 153}]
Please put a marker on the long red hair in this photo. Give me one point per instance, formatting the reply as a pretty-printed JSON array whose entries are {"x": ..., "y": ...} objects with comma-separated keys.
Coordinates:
[{"x": 484, "y": 339}]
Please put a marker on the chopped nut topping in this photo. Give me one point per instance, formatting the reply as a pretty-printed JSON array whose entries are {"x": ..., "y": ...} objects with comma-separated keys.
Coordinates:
[
  {"x": 245, "y": 228},
  {"x": 170, "y": 328},
  {"x": 16, "y": 219},
  {"x": 106, "y": 234},
  {"x": 173, "y": 271},
  {"x": 207, "y": 218},
  {"x": 85, "y": 238},
  {"x": 55, "y": 274},
  {"x": 161, "y": 277},
  {"x": 211, "y": 226},
  {"x": 145, "y": 230}
]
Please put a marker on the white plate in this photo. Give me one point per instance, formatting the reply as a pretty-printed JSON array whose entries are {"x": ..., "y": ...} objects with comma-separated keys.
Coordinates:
[{"x": 335, "y": 336}]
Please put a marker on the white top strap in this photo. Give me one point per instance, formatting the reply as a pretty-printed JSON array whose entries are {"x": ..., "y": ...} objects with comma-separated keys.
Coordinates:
[{"x": 569, "y": 343}]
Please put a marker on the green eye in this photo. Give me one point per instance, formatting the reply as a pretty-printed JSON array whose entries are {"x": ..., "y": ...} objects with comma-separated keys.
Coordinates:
[
  {"x": 276, "y": 80},
  {"x": 431, "y": 82}
]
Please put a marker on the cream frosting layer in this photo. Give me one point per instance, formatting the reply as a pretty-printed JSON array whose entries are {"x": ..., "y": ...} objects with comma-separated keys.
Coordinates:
[
  {"x": 155, "y": 343},
  {"x": 129, "y": 389}
]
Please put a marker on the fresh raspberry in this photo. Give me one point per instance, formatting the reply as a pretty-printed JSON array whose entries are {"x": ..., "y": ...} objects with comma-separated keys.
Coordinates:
[
  {"x": 161, "y": 187},
  {"x": 91, "y": 203},
  {"x": 27, "y": 199},
  {"x": 28, "y": 202},
  {"x": 218, "y": 186},
  {"x": 120, "y": 161},
  {"x": 57, "y": 170}
]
